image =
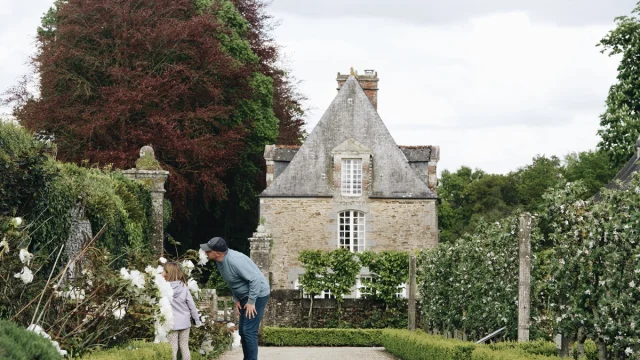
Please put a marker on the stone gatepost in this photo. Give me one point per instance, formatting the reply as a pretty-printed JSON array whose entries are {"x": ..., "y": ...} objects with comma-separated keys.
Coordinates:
[
  {"x": 79, "y": 234},
  {"x": 148, "y": 171},
  {"x": 260, "y": 251}
]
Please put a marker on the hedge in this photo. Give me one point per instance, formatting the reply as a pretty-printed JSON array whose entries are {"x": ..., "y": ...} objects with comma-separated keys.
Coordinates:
[
  {"x": 43, "y": 191},
  {"x": 273, "y": 336},
  {"x": 417, "y": 345},
  {"x": 17, "y": 343}
]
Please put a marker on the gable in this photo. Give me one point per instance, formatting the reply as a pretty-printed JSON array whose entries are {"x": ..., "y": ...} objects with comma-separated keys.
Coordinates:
[{"x": 350, "y": 116}]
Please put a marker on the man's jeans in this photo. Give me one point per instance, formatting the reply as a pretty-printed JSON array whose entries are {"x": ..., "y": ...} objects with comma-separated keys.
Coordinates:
[{"x": 249, "y": 328}]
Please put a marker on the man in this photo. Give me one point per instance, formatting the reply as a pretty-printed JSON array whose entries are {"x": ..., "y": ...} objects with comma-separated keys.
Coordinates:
[{"x": 249, "y": 288}]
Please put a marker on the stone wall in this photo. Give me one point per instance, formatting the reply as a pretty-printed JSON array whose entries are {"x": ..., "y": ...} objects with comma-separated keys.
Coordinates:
[
  {"x": 287, "y": 309},
  {"x": 297, "y": 224}
]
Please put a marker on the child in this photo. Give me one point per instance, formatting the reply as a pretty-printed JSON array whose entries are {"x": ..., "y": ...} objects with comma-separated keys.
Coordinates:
[{"x": 183, "y": 310}]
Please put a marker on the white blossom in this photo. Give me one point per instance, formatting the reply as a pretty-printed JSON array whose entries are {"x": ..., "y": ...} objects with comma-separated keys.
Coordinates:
[
  {"x": 628, "y": 351},
  {"x": 193, "y": 287},
  {"x": 632, "y": 284},
  {"x": 4, "y": 244},
  {"x": 588, "y": 292},
  {"x": 120, "y": 312},
  {"x": 164, "y": 320},
  {"x": 162, "y": 260},
  {"x": 124, "y": 273},
  {"x": 17, "y": 221},
  {"x": 25, "y": 256},
  {"x": 187, "y": 265},
  {"x": 73, "y": 293},
  {"x": 137, "y": 279},
  {"x": 149, "y": 269},
  {"x": 203, "y": 257},
  {"x": 25, "y": 275}
]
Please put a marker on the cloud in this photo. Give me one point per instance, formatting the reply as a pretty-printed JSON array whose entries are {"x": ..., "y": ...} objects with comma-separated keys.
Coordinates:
[
  {"x": 430, "y": 12},
  {"x": 500, "y": 84}
]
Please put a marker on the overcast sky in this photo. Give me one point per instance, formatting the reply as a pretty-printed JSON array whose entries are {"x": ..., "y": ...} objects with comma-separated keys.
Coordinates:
[{"x": 493, "y": 82}]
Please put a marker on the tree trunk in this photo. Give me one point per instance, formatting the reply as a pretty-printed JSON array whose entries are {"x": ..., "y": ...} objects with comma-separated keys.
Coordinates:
[
  {"x": 580, "y": 342},
  {"x": 310, "y": 311},
  {"x": 602, "y": 349}
]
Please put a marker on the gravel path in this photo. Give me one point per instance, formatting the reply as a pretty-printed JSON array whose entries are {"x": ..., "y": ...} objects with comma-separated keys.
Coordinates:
[{"x": 314, "y": 353}]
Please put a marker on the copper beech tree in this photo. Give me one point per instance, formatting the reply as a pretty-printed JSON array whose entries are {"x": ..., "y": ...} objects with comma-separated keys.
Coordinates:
[{"x": 195, "y": 79}]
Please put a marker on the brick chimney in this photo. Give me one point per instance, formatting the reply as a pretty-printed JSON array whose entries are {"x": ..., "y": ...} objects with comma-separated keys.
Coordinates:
[{"x": 368, "y": 81}]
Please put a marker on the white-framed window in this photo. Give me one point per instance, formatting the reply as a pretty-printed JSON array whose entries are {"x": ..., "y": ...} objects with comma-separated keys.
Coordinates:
[
  {"x": 360, "y": 285},
  {"x": 351, "y": 177},
  {"x": 326, "y": 294},
  {"x": 402, "y": 291},
  {"x": 351, "y": 232}
]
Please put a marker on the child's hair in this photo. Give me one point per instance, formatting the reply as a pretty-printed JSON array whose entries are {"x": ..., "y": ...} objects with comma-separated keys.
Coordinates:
[{"x": 174, "y": 273}]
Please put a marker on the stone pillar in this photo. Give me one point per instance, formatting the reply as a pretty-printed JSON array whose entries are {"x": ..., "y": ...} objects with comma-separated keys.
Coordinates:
[
  {"x": 148, "y": 171},
  {"x": 260, "y": 251},
  {"x": 79, "y": 234}
]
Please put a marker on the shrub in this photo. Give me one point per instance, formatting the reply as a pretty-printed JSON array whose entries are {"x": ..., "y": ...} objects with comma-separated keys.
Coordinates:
[
  {"x": 138, "y": 350},
  {"x": 17, "y": 343},
  {"x": 532, "y": 347},
  {"x": 420, "y": 346},
  {"x": 273, "y": 336},
  {"x": 26, "y": 169}
]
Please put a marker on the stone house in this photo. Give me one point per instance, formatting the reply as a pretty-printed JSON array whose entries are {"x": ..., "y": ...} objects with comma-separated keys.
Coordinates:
[{"x": 349, "y": 185}]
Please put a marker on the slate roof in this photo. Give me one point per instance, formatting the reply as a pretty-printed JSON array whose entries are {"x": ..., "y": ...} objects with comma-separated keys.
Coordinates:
[
  {"x": 422, "y": 153},
  {"x": 350, "y": 115}
]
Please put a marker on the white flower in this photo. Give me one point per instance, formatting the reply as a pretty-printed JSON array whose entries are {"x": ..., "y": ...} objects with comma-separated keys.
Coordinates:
[
  {"x": 4, "y": 244},
  {"x": 628, "y": 351},
  {"x": 162, "y": 260},
  {"x": 159, "y": 270},
  {"x": 25, "y": 256},
  {"x": 25, "y": 275},
  {"x": 17, "y": 221},
  {"x": 632, "y": 284},
  {"x": 137, "y": 279},
  {"x": 193, "y": 287},
  {"x": 588, "y": 292},
  {"x": 149, "y": 269},
  {"x": 203, "y": 257},
  {"x": 163, "y": 319},
  {"x": 124, "y": 273},
  {"x": 187, "y": 265},
  {"x": 119, "y": 312}
]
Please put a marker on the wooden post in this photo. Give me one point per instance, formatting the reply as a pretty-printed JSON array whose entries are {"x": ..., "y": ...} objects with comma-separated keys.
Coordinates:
[
  {"x": 524, "y": 283},
  {"x": 412, "y": 287},
  {"x": 214, "y": 306}
]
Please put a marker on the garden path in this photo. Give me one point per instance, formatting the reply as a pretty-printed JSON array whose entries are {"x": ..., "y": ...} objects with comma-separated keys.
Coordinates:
[{"x": 314, "y": 353}]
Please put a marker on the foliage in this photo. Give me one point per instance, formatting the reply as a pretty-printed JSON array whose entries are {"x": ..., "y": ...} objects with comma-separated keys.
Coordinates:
[
  {"x": 471, "y": 196},
  {"x": 343, "y": 269},
  {"x": 19, "y": 344},
  {"x": 26, "y": 169},
  {"x": 538, "y": 347},
  {"x": 134, "y": 350},
  {"x": 417, "y": 345},
  {"x": 216, "y": 335},
  {"x": 314, "y": 279},
  {"x": 592, "y": 168},
  {"x": 273, "y": 336},
  {"x": 394, "y": 317},
  {"x": 390, "y": 270},
  {"x": 620, "y": 123},
  {"x": 597, "y": 271}
]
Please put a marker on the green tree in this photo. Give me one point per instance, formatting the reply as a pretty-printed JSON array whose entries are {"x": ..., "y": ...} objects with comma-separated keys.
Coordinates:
[
  {"x": 620, "y": 123},
  {"x": 593, "y": 168},
  {"x": 344, "y": 267},
  {"x": 390, "y": 270},
  {"x": 314, "y": 280},
  {"x": 535, "y": 179}
]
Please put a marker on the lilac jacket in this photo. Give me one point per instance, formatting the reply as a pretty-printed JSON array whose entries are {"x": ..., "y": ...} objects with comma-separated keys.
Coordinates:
[{"x": 183, "y": 307}]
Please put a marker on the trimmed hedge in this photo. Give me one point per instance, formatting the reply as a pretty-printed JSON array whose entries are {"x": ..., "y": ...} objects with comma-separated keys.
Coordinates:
[
  {"x": 273, "y": 336},
  {"x": 539, "y": 347},
  {"x": 17, "y": 343},
  {"x": 417, "y": 345},
  {"x": 138, "y": 350}
]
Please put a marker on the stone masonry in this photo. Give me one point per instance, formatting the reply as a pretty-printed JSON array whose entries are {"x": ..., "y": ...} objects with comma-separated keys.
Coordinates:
[{"x": 296, "y": 224}]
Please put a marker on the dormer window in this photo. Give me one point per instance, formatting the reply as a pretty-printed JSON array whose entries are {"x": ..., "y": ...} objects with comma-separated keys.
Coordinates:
[{"x": 351, "y": 177}]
